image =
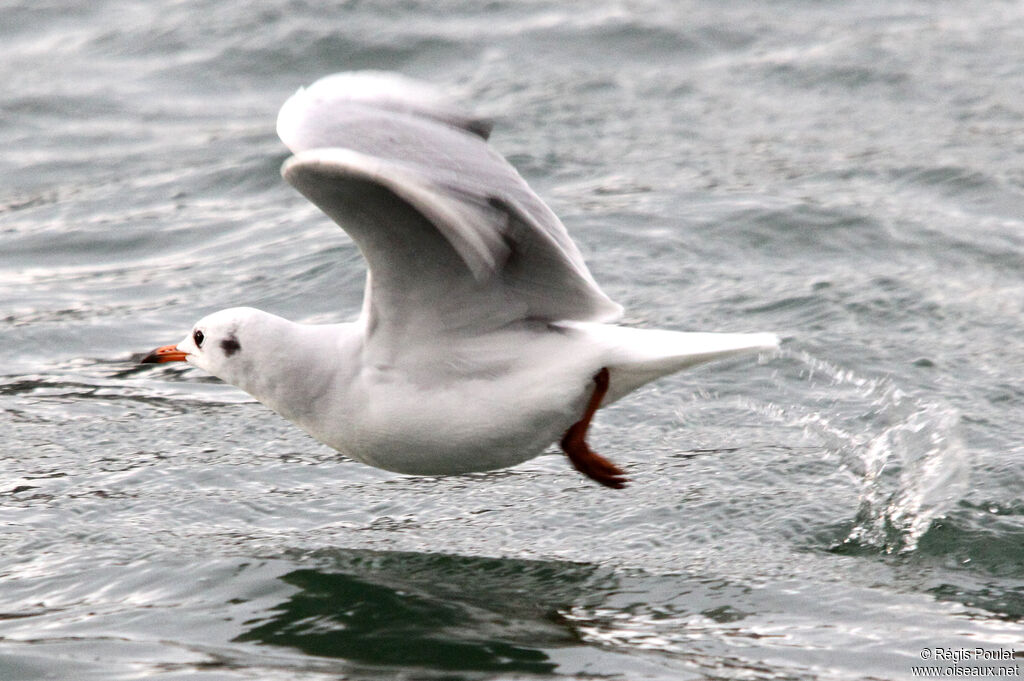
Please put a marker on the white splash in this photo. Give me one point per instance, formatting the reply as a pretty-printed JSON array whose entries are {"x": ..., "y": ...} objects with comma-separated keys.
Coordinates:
[{"x": 905, "y": 452}]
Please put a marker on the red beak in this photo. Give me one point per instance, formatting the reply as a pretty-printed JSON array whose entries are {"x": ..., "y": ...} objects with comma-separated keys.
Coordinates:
[{"x": 167, "y": 353}]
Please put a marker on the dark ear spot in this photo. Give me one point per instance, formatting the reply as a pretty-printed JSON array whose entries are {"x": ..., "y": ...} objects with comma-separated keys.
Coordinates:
[{"x": 230, "y": 345}]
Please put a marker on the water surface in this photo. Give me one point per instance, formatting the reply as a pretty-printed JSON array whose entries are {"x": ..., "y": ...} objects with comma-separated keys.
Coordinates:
[{"x": 848, "y": 175}]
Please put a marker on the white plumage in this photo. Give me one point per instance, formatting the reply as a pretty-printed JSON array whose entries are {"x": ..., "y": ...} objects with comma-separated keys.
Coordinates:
[{"x": 482, "y": 331}]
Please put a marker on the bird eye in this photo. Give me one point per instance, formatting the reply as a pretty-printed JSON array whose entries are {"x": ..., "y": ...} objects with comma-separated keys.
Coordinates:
[{"x": 197, "y": 336}]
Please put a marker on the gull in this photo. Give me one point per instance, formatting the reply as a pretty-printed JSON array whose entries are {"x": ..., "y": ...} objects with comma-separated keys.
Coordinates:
[{"x": 483, "y": 337}]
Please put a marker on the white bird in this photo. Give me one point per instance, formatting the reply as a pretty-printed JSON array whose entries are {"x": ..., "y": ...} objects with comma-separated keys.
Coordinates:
[{"x": 483, "y": 338}]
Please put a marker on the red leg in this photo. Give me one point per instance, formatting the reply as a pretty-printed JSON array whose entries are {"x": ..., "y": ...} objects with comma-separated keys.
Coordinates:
[{"x": 574, "y": 443}]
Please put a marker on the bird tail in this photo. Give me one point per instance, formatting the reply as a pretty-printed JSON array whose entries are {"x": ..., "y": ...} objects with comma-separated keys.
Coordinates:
[{"x": 637, "y": 356}]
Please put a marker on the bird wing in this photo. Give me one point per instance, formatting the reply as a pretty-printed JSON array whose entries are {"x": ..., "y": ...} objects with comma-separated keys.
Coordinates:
[{"x": 454, "y": 238}]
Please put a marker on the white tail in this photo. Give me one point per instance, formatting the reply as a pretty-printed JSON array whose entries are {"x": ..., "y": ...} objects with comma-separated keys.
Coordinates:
[{"x": 637, "y": 356}]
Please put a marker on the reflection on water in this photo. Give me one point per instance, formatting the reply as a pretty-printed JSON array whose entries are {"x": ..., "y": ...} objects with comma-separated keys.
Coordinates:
[
  {"x": 373, "y": 614},
  {"x": 427, "y": 611}
]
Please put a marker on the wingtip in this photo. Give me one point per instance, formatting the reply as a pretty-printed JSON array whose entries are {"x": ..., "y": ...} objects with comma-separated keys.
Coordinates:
[
  {"x": 306, "y": 119},
  {"x": 289, "y": 118},
  {"x": 480, "y": 126}
]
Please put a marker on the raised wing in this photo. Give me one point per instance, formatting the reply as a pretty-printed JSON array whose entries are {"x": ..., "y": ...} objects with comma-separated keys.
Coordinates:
[{"x": 453, "y": 236}]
